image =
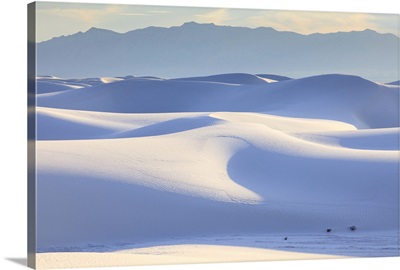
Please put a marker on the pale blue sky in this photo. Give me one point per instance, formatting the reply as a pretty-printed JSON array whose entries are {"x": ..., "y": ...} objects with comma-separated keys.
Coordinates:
[{"x": 56, "y": 19}]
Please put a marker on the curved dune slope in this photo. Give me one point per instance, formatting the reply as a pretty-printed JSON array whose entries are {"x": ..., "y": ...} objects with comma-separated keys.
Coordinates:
[
  {"x": 143, "y": 160},
  {"x": 336, "y": 97}
]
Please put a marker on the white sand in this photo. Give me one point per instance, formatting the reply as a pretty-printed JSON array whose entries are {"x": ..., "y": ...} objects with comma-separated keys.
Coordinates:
[
  {"x": 182, "y": 254},
  {"x": 161, "y": 162}
]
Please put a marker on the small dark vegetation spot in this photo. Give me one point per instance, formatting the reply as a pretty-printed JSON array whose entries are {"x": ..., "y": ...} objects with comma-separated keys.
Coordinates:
[
  {"x": 328, "y": 230},
  {"x": 286, "y": 238},
  {"x": 352, "y": 228}
]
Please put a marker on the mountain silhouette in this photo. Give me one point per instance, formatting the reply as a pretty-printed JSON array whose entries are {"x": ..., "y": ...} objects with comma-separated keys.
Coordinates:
[{"x": 194, "y": 49}]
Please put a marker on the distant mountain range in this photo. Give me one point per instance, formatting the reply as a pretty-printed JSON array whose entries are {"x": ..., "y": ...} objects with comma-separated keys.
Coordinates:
[{"x": 194, "y": 49}]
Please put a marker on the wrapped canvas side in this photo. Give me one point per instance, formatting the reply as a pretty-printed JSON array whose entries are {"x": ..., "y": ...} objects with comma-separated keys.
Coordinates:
[{"x": 31, "y": 80}]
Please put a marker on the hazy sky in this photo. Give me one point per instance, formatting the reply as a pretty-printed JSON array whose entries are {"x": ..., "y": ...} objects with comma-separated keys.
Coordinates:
[{"x": 56, "y": 19}]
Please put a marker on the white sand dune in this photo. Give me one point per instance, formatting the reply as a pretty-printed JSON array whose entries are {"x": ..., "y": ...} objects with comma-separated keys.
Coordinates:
[
  {"x": 232, "y": 78},
  {"x": 182, "y": 254},
  {"x": 372, "y": 139},
  {"x": 51, "y": 84},
  {"x": 44, "y": 86},
  {"x": 140, "y": 163},
  {"x": 344, "y": 98}
]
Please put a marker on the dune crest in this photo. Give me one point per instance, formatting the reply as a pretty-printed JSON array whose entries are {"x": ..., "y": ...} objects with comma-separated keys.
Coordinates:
[{"x": 128, "y": 161}]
